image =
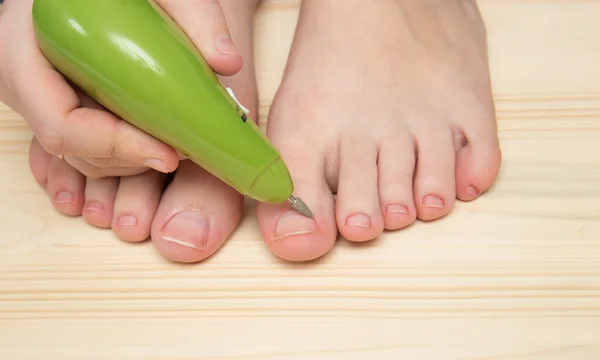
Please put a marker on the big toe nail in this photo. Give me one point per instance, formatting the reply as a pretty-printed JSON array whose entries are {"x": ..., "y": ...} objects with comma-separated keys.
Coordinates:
[
  {"x": 299, "y": 238},
  {"x": 291, "y": 224},
  {"x": 188, "y": 229}
]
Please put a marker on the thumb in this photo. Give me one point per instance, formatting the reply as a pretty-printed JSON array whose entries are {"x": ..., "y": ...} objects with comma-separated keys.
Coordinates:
[{"x": 204, "y": 23}]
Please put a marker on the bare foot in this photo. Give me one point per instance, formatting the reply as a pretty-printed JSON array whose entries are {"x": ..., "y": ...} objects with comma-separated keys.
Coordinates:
[
  {"x": 389, "y": 106},
  {"x": 196, "y": 213}
]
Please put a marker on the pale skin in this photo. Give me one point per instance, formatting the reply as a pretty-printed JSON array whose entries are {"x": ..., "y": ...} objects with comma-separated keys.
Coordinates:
[{"x": 391, "y": 111}]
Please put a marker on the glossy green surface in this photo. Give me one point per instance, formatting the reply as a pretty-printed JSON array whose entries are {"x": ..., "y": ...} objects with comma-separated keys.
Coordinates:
[{"x": 132, "y": 58}]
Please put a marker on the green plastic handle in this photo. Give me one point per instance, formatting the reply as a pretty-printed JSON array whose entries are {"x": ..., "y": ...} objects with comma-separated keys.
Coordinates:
[{"x": 132, "y": 58}]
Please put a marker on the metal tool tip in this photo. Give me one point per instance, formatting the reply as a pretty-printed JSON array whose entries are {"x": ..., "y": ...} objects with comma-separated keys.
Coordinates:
[{"x": 300, "y": 206}]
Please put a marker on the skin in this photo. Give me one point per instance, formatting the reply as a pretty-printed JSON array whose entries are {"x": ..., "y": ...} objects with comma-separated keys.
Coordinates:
[
  {"x": 405, "y": 121},
  {"x": 68, "y": 123}
]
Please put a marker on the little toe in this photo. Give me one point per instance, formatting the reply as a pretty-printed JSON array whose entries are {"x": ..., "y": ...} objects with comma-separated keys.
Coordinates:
[
  {"x": 358, "y": 212},
  {"x": 477, "y": 165},
  {"x": 135, "y": 205},
  {"x": 290, "y": 235},
  {"x": 65, "y": 187},
  {"x": 434, "y": 184},
  {"x": 396, "y": 170},
  {"x": 100, "y": 197},
  {"x": 196, "y": 215}
]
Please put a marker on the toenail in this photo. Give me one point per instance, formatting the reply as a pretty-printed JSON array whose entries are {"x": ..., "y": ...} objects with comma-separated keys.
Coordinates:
[
  {"x": 188, "y": 229},
  {"x": 64, "y": 197},
  {"x": 396, "y": 209},
  {"x": 472, "y": 190},
  {"x": 433, "y": 202},
  {"x": 127, "y": 220},
  {"x": 292, "y": 223},
  {"x": 359, "y": 220},
  {"x": 94, "y": 206}
]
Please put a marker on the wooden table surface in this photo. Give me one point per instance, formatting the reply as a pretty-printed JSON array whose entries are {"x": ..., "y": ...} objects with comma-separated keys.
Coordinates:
[{"x": 514, "y": 275}]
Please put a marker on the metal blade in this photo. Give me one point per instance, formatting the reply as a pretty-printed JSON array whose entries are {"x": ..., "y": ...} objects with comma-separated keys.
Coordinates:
[{"x": 300, "y": 206}]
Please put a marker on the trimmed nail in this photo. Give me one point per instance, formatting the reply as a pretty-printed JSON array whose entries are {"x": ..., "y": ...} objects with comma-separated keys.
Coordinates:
[
  {"x": 433, "y": 202},
  {"x": 188, "y": 229},
  {"x": 157, "y": 165},
  {"x": 292, "y": 223},
  {"x": 127, "y": 220},
  {"x": 64, "y": 197},
  {"x": 472, "y": 190},
  {"x": 225, "y": 45},
  {"x": 94, "y": 206},
  {"x": 359, "y": 220},
  {"x": 396, "y": 209}
]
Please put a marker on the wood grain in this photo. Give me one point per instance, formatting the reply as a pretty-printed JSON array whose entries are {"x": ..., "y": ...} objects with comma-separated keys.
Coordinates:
[{"x": 514, "y": 275}]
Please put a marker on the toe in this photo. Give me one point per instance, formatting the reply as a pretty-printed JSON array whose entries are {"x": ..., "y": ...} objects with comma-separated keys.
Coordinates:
[
  {"x": 39, "y": 162},
  {"x": 197, "y": 214},
  {"x": 434, "y": 184},
  {"x": 65, "y": 187},
  {"x": 477, "y": 164},
  {"x": 100, "y": 197},
  {"x": 135, "y": 205},
  {"x": 289, "y": 235},
  {"x": 358, "y": 212},
  {"x": 396, "y": 170}
]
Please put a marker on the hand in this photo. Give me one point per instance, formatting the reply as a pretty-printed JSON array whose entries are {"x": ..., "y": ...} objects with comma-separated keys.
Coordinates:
[{"x": 69, "y": 124}]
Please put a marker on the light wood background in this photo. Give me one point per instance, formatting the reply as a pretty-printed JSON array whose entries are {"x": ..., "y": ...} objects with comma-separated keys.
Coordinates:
[{"x": 514, "y": 275}]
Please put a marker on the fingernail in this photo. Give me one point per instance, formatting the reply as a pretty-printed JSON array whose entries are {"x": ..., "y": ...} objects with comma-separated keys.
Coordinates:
[
  {"x": 396, "y": 209},
  {"x": 188, "y": 229},
  {"x": 359, "y": 220},
  {"x": 127, "y": 220},
  {"x": 64, "y": 197},
  {"x": 94, "y": 206},
  {"x": 433, "y": 202},
  {"x": 292, "y": 223},
  {"x": 472, "y": 190},
  {"x": 157, "y": 165},
  {"x": 225, "y": 45}
]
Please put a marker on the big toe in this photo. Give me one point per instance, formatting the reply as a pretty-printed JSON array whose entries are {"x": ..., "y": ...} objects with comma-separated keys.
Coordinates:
[
  {"x": 290, "y": 235},
  {"x": 196, "y": 215}
]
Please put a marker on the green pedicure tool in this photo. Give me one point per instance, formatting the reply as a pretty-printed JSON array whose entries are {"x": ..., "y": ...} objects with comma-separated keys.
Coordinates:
[{"x": 132, "y": 58}]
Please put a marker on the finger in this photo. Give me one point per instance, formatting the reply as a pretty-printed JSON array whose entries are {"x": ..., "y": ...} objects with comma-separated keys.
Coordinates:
[
  {"x": 97, "y": 172},
  {"x": 52, "y": 109},
  {"x": 204, "y": 23},
  {"x": 113, "y": 162}
]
